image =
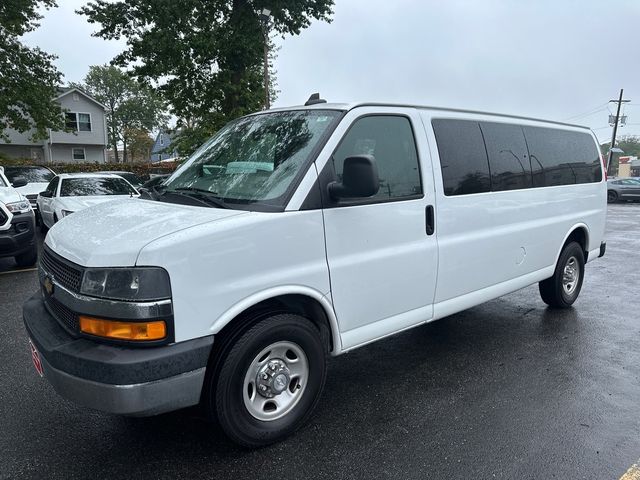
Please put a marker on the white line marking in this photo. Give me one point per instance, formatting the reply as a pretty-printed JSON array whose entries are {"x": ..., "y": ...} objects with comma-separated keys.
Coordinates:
[{"x": 19, "y": 271}]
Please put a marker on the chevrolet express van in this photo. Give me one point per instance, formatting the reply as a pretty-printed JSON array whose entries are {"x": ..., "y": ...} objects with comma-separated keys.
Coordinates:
[{"x": 303, "y": 232}]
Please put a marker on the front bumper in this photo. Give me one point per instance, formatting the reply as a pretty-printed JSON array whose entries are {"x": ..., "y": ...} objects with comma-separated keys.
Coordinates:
[
  {"x": 117, "y": 379},
  {"x": 19, "y": 237}
]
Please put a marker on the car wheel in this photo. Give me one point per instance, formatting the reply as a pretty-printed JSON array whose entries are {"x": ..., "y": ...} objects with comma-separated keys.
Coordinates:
[
  {"x": 612, "y": 196},
  {"x": 563, "y": 288},
  {"x": 27, "y": 259},
  {"x": 269, "y": 382}
]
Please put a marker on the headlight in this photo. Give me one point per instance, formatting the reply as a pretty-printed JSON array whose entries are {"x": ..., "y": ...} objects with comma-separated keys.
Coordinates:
[
  {"x": 140, "y": 284},
  {"x": 23, "y": 206},
  {"x": 66, "y": 212}
]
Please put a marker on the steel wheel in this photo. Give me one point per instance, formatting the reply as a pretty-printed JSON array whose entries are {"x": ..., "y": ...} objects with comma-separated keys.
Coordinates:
[
  {"x": 275, "y": 381},
  {"x": 571, "y": 275}
]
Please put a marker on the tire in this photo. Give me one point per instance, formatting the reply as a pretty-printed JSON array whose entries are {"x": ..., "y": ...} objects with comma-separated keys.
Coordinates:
[
  {"x": 271, "y": 356},
  {"x": 612, "y": 196},
  {"x": 555, "y": 291},
  {"x": 27, "y": 259}
]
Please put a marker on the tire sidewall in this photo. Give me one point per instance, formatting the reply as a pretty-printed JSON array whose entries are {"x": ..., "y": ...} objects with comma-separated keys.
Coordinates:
[
  {"x": 231, "y": 412},
  {"x": 571, "y": 250}
]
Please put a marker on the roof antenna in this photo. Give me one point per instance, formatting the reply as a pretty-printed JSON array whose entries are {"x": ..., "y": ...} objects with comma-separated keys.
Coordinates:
[{"x": 314, "y": 99}]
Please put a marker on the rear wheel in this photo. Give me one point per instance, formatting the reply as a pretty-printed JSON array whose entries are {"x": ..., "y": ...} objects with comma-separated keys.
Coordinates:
[
  {"x": 563, "y": 288},
  {"x": 27, "y": 259},
  {"x": 612, "y": 196},
  {"x": 269, "y": 382}
]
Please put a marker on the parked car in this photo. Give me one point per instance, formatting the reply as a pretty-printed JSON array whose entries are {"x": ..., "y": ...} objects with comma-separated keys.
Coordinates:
[
  {"x": 70, "y": 192},
  {"x": 37, "y": 178},
  {"x": 623, "y": 189},
  {"x": 298, "y": 233},
  {"x": 153, "y": 182},
  {"x": 130, "y": 177},
  {"x": 17, "y": 224}
]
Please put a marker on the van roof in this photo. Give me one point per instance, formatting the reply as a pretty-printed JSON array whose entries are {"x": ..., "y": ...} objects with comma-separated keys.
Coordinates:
[{"x": 350, "y": 106}]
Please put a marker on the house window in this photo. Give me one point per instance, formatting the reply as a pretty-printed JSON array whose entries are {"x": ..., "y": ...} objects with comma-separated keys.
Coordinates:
[
  {"x": 78, "y": 122},
  {"x": 79, "y": 154},
  {"x": 84, "y": 122}
]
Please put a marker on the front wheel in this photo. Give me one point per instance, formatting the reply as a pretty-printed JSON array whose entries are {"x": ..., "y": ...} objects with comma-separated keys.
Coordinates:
[
  {"x": 612, "y": 197},
  {"x": 563, "y": 288},
  {"x": 270, "y": 381}
]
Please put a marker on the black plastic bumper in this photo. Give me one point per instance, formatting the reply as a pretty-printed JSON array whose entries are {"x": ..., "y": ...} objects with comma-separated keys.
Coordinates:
[
  {"x": 20, "y": 237},
  {"x": 603, "y": 248},
  {"x": 117, "y": 379}
]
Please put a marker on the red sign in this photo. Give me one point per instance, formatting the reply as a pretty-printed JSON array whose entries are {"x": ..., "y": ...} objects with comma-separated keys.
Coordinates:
[{"x": 35, "y": 356}]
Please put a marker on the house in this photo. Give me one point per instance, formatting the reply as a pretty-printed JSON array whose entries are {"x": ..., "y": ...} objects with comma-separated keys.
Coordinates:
[
  {"x": 86, "y": 142},
  {"x": 161, "y": 149}
]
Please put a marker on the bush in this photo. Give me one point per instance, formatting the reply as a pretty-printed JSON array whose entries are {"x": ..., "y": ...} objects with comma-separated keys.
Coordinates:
[{"x": 142, "y": 170}]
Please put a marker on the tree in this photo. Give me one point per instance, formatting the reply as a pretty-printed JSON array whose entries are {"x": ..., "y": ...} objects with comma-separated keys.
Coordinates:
[
  {"x": 140, "y": 144},
  {"x": 204, "y": 56},
  {"x": 28, "y": 78},
  {"x": 629, "y": 144},
  {"x": 130, "y": 105}
]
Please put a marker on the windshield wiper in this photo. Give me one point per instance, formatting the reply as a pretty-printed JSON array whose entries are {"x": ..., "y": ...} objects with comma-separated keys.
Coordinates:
[{"x": 200, "y": 194}]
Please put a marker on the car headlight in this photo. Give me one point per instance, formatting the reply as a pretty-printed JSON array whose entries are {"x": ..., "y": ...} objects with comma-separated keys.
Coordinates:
[
  {"x": 23, "y": 206},
  {"x": 138, "y": 283},
  {"x": 66, "y": 212}
]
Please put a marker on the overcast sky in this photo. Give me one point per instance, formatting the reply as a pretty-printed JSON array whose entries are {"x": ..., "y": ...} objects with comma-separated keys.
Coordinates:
[{"x": 554, "y": 59}]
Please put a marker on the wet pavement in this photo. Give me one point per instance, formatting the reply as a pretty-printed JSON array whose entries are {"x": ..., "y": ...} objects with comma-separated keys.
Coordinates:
[{"x": 509, "y": 389}]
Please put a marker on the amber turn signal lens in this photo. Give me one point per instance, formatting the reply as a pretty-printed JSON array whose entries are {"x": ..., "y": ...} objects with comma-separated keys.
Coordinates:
[{"x": 156, "y": 330}]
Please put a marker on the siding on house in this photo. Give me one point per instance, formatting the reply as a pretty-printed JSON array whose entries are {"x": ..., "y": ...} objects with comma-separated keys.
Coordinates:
[
  {"x": 58, "y": 147},
  {"x": 162, "y": 149}
]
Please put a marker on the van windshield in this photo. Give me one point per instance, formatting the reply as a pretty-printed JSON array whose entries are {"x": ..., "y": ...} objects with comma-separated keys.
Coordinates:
[{"x": 255, "y": 159}]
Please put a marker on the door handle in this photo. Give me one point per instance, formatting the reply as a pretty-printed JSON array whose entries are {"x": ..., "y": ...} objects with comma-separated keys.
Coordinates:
[{"x": 431, "y": 220}]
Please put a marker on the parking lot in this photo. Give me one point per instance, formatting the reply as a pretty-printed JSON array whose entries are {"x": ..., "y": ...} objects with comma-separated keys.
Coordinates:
[{"x": 509, "y": 389}]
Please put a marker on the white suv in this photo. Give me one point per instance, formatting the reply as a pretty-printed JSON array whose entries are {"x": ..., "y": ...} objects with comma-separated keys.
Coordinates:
[
  {"x": 17, "y": 225},
  {"x": 298, "y": 233}
]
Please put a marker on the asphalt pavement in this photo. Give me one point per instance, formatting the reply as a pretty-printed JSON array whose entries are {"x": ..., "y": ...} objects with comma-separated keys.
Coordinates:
[{"x": 509, "y": 389}]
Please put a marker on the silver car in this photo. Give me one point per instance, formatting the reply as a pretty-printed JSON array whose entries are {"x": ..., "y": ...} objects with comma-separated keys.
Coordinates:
[{"x": 623, "y": 189}]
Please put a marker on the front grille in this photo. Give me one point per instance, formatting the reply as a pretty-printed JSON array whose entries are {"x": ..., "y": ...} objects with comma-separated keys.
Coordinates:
[
  {"x": 32, "y": 199},
  {"x": 68, "y": 318},
  {"x": 3, "y": 217},
  {"x": 64, "y": 272}
]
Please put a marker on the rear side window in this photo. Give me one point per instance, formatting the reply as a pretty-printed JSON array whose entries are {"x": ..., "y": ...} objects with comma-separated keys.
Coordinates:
[
  {"x": 390, "y": 140},
  {"x": 560, "y": 157},
  {"x": 463, "y": 158},
  {"x": 508, "y": 156}
]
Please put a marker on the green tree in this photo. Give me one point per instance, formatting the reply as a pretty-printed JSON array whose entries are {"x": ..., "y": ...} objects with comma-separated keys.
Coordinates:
[
  {"x": 28, "y": 78},
  {"x": 130, "y": 105},
  {"x": 140, "y": 144},
  {"x": 204, "y": 56}
]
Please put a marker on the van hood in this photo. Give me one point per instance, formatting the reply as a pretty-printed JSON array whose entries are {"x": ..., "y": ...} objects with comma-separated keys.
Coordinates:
[
  {"x": 112, "y": 234},
  {"x": 9, "y": 195}
]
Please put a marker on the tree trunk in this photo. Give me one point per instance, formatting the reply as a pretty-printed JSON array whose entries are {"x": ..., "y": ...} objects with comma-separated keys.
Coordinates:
[{"x": 124, "y": 150}]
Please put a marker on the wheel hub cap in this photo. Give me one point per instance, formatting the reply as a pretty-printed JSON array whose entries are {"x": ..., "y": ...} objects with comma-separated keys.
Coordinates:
[
  {"x": 273, "y": 378},
  {"x": 571, "y": 276}
]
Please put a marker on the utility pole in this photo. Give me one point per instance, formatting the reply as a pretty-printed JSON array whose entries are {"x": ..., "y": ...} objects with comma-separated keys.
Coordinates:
[
  {"x": 265, "y": 18},
  {"x": 620, "y": 101}
]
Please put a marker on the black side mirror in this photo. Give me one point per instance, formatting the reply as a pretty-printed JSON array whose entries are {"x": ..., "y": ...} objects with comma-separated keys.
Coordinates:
[
  {"x": 19, "y": 182},
  {"x": 359, "y": 178},
  {"x": 45, "y": 194}
]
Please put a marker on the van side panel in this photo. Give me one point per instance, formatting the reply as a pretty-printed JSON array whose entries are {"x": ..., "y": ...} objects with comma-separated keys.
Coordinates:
[{"x": 506, "y": 239}]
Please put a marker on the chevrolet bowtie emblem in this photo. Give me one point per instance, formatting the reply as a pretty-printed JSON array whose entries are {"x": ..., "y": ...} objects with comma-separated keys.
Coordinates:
[{"x": 48, "y": 285}]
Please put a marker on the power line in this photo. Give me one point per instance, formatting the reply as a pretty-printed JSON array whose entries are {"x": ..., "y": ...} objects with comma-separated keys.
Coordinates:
[{"x": 595, "y": 110}]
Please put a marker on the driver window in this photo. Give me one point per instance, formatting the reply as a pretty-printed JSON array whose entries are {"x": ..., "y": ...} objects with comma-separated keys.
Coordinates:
[{"x": 390, "y": 140}]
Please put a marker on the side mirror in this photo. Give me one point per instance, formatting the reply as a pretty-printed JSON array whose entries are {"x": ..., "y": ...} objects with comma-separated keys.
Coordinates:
[
  {"x": 19, "y": 182},
  {"x": 45, "y": 194},
  {"x": 359, "y": 178}
]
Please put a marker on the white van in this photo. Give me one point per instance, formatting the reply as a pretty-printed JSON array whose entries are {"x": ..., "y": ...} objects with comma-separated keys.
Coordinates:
[{"x": 301, "y": 232}]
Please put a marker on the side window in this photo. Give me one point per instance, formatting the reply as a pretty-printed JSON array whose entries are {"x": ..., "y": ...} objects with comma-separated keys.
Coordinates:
[
  {"x": 560, "y": 157},
  {"x": 390, "y": 140},
  {"x": 508, "y": 156},
  {"x": 463, "y": 158}
]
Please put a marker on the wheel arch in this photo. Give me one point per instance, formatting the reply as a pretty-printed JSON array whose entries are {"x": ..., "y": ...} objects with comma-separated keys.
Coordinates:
[
  {"x": 300, "y": 300},
  {"x": 578, "y": 233}
]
